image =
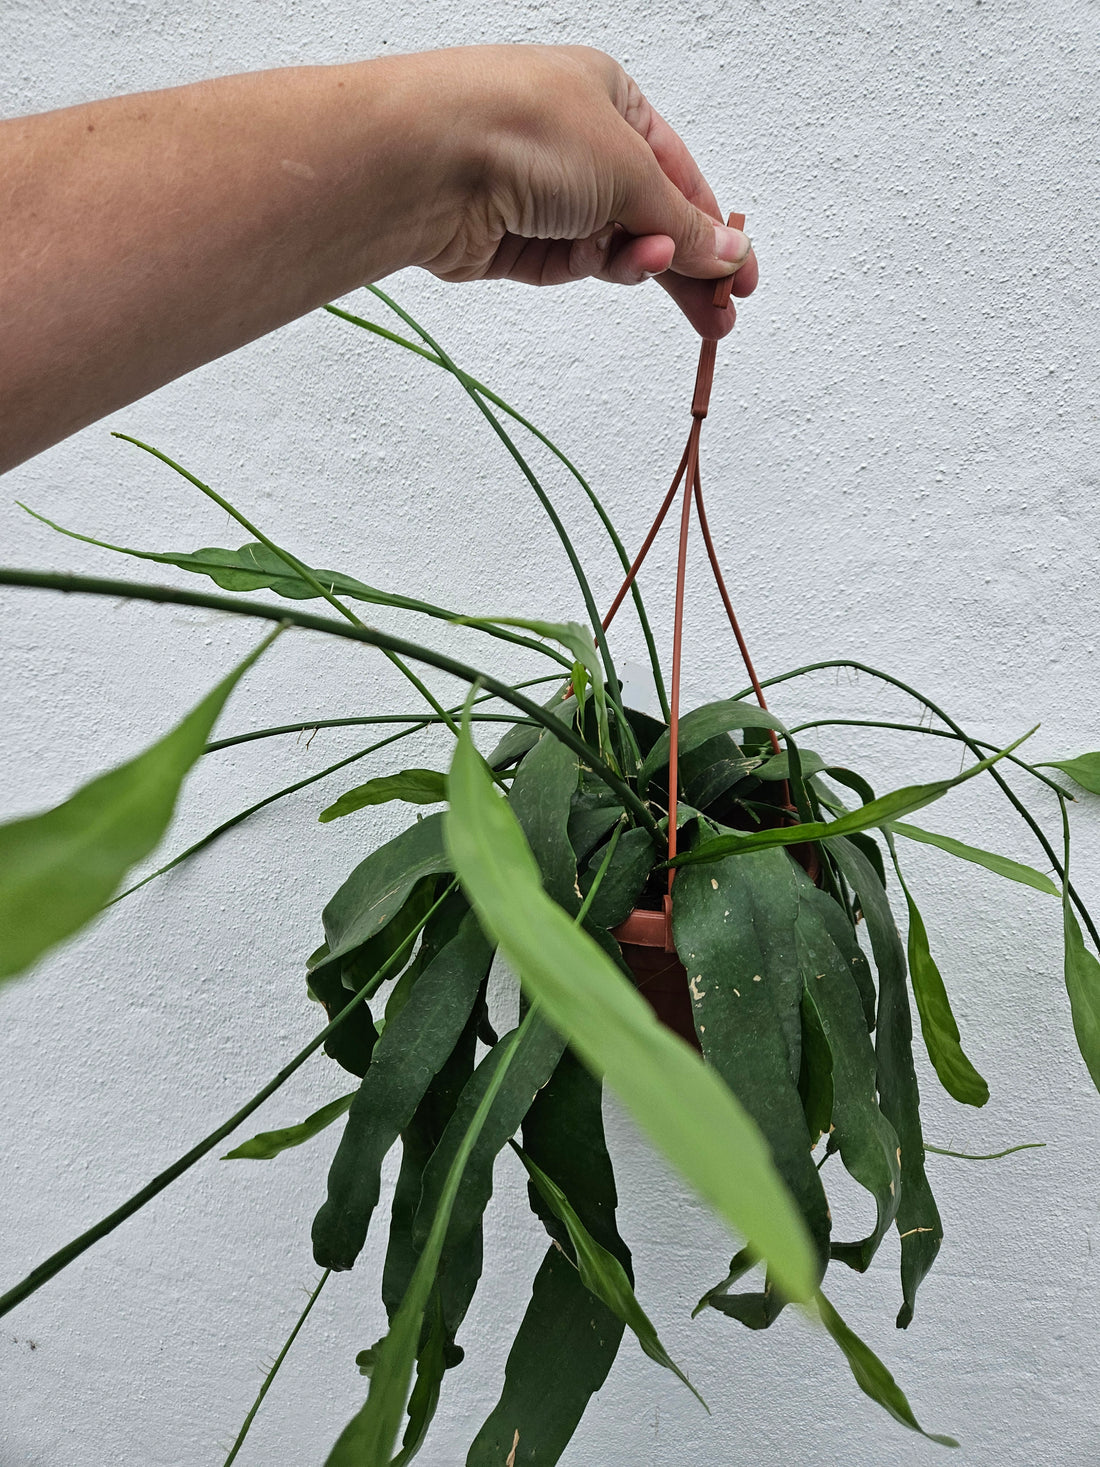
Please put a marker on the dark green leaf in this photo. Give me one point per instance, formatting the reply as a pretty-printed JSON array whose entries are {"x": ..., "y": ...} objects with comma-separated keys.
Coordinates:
[
  {"x": 1083, "y": 987},
  {"x": 567, "y": 1340},
  {"x": 560, "y": 1357},
  {"x": 595, "y": 810},
  {"x": 867, "y": 1141},
  {"x": 413, "y": 1047},
  {"x": 418, "y": 1141},
  {"x": 918, "y": 1219},
  {"x": 268, "y": 1144},
  {"x": 779, "y": 766},
  {"x": 871, "y": 1375},
  {"x": 1084, "y": 770},
  {"x": 414, "y": 786},
  {"x": 1000, "y": 865},
  {"x": 58, "y": 869},
  {"x": 876, "y": 812},
  {"x": 702, "y": 724},
  {"x": 602, "y": 1273},
  {"x": 623, "y": 880},
  {"x": 941, "y": 1032},
  {"x": 734, "y": 924},
  {"x": 688, "y": 1113},
  {"x": 369, "y": 1437},
  {"x": 530, "y": 1066},
  {"x": 379, "y": 886},
  {"x": 541, "y": 798}
]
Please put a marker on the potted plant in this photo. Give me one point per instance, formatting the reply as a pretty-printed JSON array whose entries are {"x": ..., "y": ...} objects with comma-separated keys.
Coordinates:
[{"x": 711, "y": 862}]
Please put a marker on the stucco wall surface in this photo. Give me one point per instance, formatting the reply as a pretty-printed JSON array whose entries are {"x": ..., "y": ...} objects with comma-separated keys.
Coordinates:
[{"x": 902, "y": 466}]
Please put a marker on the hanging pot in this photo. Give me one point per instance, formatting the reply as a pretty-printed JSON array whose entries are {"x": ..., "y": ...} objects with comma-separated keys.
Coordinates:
[{"x": 659, "y": 976}]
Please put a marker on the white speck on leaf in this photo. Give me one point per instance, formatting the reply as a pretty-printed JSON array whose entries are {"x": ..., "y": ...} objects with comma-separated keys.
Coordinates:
[{"x": 714, "y": 883}]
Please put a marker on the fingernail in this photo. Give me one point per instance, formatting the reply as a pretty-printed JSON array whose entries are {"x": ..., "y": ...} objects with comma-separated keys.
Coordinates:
[{"x": 730, "y": 245}]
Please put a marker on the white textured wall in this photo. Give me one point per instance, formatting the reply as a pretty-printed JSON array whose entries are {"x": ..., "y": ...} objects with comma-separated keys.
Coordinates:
[{"x": 902, "y": 467}]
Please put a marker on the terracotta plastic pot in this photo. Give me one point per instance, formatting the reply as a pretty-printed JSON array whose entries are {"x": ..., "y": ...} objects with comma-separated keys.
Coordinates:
[{"x": 659, "y": 976}]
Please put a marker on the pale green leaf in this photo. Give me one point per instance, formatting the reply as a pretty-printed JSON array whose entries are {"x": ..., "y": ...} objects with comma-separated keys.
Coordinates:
[
  {"x": 268, "y": 1144},
  {"x": 58, "y": 869},
  {"x": 602, "y": 1273},
  {"x": 876, "y": 812},
  {"x": 414, "y": 786},
  {"x": 871, "y": 1375},
  {"x": 1000, "y": 865}
]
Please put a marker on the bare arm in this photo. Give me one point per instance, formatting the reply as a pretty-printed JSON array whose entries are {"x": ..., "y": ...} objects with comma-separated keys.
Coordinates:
[{"x": 143, "y": 236}]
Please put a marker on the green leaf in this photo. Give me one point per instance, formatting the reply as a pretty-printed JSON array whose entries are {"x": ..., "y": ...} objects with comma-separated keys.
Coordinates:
[
  {"x": 412, "y": 1049},
  {"x": 622, "y": 882},
  {"x": 530, "y": 1065},
  {"x": 779, "y": 765},
  {"x": 1000, "y": 865},
  {"x": 706, "y": 723},
  {"x": 414, "y": 786},
  {"x": 687, "y": 1112},
  {"x": 368, "y": 1438},
  {"x": 867, "y": 1141},
  {"x": 380, "y": 885},
  {"x": 1083, "y": 770},
  {"x": 1083, "y": 987},
  {"x": 268, "y": 1144},
  {"x": 871, "y": 1375},
  {"x": 918, "y": 1219},
  {"x": 985, "y": 1155},
  {"x": 875, "y": 812},
  {"x": 603, "y": 1274},
  {"x": 58, "y": 869},
  {"x": 577, "y": 640},
  {"x": 567, "y": 1339},
  {"x": 734, "y": 924},
  {"x": 941, "y": 1032},
  {"x": 541, "y": 797}
]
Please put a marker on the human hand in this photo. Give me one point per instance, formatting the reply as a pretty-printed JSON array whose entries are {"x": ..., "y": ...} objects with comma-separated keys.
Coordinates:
[{"x": 571, "y": 173}]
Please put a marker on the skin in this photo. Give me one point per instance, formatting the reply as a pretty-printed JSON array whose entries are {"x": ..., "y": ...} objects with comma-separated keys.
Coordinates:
[{"x": 145, "y": 235}]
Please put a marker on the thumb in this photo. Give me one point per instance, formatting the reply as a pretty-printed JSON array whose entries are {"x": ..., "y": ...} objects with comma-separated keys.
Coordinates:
[{"x": 662, "y": 191}]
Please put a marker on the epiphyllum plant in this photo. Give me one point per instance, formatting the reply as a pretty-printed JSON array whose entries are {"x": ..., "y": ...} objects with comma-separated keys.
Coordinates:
[{"x": 589, "y": 831}]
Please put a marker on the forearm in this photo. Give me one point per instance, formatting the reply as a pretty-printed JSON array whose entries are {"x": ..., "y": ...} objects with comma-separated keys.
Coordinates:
[{"x": 143, "y": 236}]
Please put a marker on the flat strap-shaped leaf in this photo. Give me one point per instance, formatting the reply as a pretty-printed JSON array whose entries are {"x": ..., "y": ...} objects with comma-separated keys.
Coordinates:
[
  {"x": 734, "y": 923},
  {"x": 459, "y": 1268},
  {"x": 412, "y": 1049},
  {"x": 568, "y": 1339},
  {"x": 918, "y": 1219},
  {"x": 541, "y": 798},
  {"x": 622, "y": 882},
  {"x": 867, "y": 1141},
  {"x": 379, "y": 886},
  {"x": 561, "y": 1356},
  {"x": 706, "y": 723},
  {"x": 418, "y": 1141},
  {"x": 57, "y": 869}
]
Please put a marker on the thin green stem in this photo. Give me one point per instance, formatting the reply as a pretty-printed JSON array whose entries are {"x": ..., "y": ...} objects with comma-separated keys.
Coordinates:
[
  {"x": 937, "y": 733},
  {"x": 273, "y": 1372},
  {"x": 985, "y": 1155},
  {"x": 605, "y": 519},
  {"x": 369, "y": 594},
  {"x": 297, "y": 566},
  {"x": 370, "y": 636},
  {"x": 47, "y": 1269},
  {"x": 972, "y": 744},
  {"x": 422, "y": 719},
  {"x": 543, "y": 498}
]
